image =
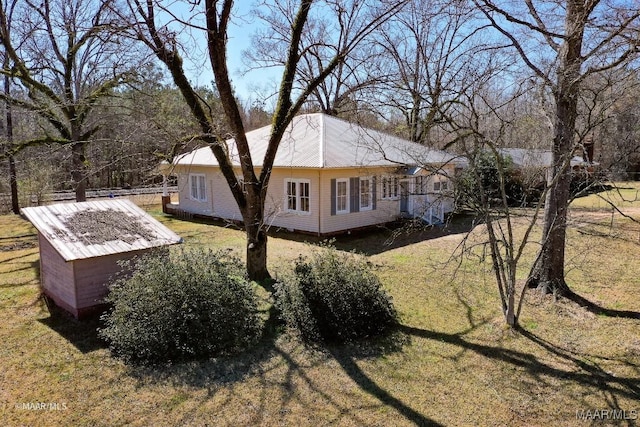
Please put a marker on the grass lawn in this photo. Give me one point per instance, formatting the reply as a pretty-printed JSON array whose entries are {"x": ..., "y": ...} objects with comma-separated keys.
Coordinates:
[{"x": 451, "y": 363}]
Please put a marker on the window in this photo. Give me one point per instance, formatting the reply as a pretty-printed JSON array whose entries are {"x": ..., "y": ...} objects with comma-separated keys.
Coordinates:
[
  {"x": 197, "y": 187},
  {"x": 421, "y": 183},
  {"x": 298, "y": 195},
  {"x": 355, "y": 194},
  {"x": 366, "y": 193},
  {"x": 440, "y": 185},
  {"x": 390, "y": 187},
  {"x": 342, "y": 195}
]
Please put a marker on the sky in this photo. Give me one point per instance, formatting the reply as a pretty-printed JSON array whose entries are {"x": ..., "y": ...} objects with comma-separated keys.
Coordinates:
[{"x": 248, "y": 87}]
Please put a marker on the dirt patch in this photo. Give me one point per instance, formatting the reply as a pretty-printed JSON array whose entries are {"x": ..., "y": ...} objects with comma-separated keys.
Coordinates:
[{"x": 17, "y": 246}]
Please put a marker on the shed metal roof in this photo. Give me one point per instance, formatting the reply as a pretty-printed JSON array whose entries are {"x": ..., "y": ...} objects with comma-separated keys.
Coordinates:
[
  {"x": 98, "y": 228},
  {"x": 321, "y": 141}
]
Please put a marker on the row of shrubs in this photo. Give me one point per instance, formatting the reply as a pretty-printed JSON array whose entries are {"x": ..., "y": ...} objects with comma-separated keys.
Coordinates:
[{"x": 195, "y": 304}]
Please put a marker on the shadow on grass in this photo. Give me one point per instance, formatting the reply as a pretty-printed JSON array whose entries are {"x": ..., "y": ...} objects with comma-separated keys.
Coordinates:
[
  {"x": 283, "y": 362},
  {"x": 26, "y": 278},
  {"x": 208, "y": 374},
  {"x": 588, "y": 374},
  {"x": 599, "y": 310},
  {"x": 18, "y": 257},
  {"x": 280, "y": 363},
  {"x": 82, "y": 334},
  {"x": 347, "y": 356},
  {"x": 369, "y": 241},
  {"x": 373, "y": 242},
  {"x": 378, "y": 240}
]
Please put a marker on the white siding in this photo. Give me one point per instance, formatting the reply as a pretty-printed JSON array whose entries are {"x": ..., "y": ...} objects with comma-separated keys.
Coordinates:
[
  {"x": 276, "y": 214},
  {"x": 187, "y": 203},
  {"x": 385, "y": 211},
  {"x": 319, "y": 219},
  {"x": 224, "y": 204}
]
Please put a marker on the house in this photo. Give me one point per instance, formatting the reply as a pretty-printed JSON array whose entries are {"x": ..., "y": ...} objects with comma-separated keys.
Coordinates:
[
  {"x": 329, "y": 176},
  {"x": 525, "y": 158},
  {"x": 81, "y": 245}
]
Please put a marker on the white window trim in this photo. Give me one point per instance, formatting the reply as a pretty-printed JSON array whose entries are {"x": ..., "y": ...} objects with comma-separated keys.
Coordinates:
[
  {"x": 297, "y": 183},
  {"x": 394, "y": 183},
  {"x": 370, "y": 206},
  {"x": 443, "y": 185},
  {"x": 347, "y": 195},
  {"x": 202, "y": 190}
]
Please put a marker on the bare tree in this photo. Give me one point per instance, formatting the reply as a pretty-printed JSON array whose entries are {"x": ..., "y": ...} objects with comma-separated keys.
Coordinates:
[
  {"x": 13, "y": 180},
  {"x": 480, "y": 125},
  {"x": 292, "y": 94},
  {"x": 426, "y": 55},
  {"x": 617, "y": 141},
  {"x": 564, "y": 43},
  {"x": 67, "y": 54},
  {"x": 323, "y": 38}
]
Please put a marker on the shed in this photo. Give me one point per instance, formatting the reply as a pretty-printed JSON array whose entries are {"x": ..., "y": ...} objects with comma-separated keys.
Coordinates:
[{"x": 81, "y": 245}]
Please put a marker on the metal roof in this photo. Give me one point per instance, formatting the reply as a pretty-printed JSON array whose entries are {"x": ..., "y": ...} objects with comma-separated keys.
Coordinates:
[
  {"x": 97, "y": 228},
  {"x": 322, "y": 141}
]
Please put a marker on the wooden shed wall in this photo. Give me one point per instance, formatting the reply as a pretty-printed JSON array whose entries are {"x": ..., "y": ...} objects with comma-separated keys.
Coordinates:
[
  {"x": 80, "y": 285},
  {"x": 56, "y": 276},
  {"x": 92, "y": 276}
]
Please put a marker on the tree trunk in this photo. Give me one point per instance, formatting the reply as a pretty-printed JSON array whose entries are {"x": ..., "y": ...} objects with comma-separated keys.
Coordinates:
[
  {"x": 13, "y": 184},
  {"x": 256, "y": 239},
  {"x": 78, "y": 170},
  {"x": 550, "y": 270},
  {"x": 13, "y": 181},
  {"x": 256, "y": 251}
]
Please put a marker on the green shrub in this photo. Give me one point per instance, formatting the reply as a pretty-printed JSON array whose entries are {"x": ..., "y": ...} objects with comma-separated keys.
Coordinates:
[
  {"x": 485, "y": 180},
  {"x": 334, "y": 296},
  {"x": 185, "y": 306}
]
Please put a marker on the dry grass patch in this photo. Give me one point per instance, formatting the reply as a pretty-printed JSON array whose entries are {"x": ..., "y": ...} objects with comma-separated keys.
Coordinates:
[{"x": 452, "y": 362}]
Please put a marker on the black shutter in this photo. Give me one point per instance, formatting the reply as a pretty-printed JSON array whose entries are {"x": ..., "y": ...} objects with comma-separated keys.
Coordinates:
[
  {"x": 355, "y": 194},
  {"x": 333, "y": 197}
]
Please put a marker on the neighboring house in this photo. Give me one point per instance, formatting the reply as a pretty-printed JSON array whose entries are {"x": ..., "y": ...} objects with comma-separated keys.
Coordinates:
[
  {"x": 525, "y": 158},
  {"x": 329, "y": 176},
  {"x": 532, "y": 166},
  {"x": 82, "y": 245}
]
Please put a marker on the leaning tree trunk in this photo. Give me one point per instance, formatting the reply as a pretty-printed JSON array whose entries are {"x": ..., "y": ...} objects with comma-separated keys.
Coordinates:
[
  {"x": 78, "y": 170},
  {"x": 550, "y": 270}
]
